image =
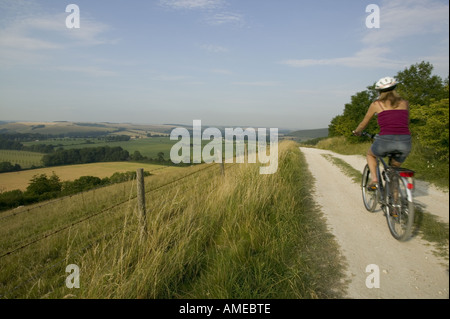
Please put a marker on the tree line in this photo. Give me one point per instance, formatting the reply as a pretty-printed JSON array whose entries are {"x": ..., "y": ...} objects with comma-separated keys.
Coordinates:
[
  {"x": 86, "y": 155},
  {"x": 12, "y": 144},
  {"x": 8, "y": 167},
  {"x": 43, "y": 187}
]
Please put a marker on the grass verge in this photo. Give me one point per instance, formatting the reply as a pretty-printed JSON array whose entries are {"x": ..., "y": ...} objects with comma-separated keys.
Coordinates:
[{"x": 244, "y": 235}]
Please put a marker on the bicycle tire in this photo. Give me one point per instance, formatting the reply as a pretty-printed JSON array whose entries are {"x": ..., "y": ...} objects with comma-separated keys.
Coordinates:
[
  {"x": 401, "y": 225},
  {"x": 370, "y": 198}
]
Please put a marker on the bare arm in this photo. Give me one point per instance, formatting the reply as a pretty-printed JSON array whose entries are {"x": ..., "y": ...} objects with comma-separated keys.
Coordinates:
[{"x": 370, "y": 112}]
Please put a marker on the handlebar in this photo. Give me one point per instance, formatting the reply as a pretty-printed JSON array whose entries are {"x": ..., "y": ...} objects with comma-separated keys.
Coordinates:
[{"x": 364, "y": 133}]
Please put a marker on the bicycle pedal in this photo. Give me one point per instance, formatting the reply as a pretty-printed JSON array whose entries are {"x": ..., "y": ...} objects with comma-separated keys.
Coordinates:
[{"x": 395, "y": 212}]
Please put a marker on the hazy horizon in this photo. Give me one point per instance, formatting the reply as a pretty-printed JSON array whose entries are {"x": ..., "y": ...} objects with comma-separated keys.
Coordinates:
[{"x": 204, "y": 125}]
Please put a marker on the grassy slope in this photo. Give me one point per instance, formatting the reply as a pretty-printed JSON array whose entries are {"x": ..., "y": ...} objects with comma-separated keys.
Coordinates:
[{"x": 243, "y": 236}]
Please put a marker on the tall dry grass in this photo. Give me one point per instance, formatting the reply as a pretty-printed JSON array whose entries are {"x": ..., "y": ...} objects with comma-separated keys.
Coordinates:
[{"x": 243, "y": 236}]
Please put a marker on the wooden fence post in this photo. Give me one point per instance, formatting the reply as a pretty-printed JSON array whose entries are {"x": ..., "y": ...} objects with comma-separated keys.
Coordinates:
[
  {"x": 245, "y": 152},
  {"x": 141, "y": 197}
]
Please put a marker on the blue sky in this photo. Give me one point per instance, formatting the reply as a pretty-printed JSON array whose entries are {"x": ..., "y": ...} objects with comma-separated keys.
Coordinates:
[{"x": 262, "y": 63}]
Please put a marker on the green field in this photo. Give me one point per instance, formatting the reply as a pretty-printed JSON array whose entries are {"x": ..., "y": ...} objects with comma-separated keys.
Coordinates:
[
  {"x": 149, "y": 147},
  {"x": 23, "y": 158}
]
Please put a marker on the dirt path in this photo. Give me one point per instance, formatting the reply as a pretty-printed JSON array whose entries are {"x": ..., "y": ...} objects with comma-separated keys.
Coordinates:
[{"x": 407, "y": 270}]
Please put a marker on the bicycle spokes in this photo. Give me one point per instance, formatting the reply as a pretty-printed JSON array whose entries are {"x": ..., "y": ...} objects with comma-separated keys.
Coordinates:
[
  {"x": 399, "y": 209},
  {"x": 370, "y": 197}
]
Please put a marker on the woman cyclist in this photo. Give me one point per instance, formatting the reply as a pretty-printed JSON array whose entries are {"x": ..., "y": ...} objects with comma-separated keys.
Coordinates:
[{"x": 393, "y": 120}]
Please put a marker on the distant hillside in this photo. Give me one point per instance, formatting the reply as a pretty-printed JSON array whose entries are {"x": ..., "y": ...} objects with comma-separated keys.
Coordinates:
[
  {"x": 304, "y": 135},
  {"x": 82, "y": 129}
]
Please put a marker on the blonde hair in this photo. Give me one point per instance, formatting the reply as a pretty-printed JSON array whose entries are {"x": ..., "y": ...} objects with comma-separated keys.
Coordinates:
[{"x": 392, "y": 96}]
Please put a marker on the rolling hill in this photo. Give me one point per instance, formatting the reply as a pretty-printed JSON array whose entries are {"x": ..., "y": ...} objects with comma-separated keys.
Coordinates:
[{"x": 304, "y": 135}]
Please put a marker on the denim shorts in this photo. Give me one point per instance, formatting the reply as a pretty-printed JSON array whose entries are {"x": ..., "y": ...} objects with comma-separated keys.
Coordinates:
[{"x": 399, "y": 145}]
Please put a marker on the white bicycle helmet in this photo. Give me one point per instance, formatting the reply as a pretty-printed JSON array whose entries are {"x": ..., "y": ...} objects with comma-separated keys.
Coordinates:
[{"x": 386, "y": 84}]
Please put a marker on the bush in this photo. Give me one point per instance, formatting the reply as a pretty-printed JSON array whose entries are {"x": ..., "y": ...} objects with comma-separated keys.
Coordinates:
[
  {"x": 82, "y": 184},
  {"x": 43, "y": 187},
  {"x": 11, "y": 199},
  {"x": 430, "y": 127},
  {"x": 8, "y": 167}
]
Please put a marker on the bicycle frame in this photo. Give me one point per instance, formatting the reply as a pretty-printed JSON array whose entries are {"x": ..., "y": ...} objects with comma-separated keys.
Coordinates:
[
  {"x": 394, "y": 193},
  {"x": 403, "y": 175}
]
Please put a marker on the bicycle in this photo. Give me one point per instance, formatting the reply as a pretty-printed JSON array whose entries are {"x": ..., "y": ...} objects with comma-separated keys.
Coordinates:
[{"x": 394, "y": 192}]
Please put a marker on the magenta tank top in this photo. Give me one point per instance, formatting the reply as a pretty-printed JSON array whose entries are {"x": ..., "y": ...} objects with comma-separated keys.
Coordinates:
[{"x": 394, "y": 122}]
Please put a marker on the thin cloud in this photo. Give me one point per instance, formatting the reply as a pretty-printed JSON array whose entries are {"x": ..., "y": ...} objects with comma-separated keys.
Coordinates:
[
  {"x": 222, "y": 71},
  {"x": 214, "y": 19},
  {"x": 366, "y": 58},
  {"x": 192, "y": 4},
  {"x": 171, "y": 78},
  {"x": 17, "y": 34},
  {"x": 23, "y": 42},
  {"x": 90, "y": 71},
  {"x": 32, "y": 39},
  {"x": 257, "y": 83},
  {"x": 399, "y": 20},
  {"x": 214, "y": 48},
  {"x": 226, "y": 18}
]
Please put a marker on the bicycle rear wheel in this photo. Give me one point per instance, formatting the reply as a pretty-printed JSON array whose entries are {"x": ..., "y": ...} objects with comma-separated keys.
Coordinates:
[
  {"x": 399, "y": 208},
  {"x": 370, "y": 198}
]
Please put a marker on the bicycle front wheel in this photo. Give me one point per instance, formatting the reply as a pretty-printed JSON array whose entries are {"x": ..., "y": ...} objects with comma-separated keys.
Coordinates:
[
  {"x": 370, "y": 198},
  {"x": 399, "y": 208}
]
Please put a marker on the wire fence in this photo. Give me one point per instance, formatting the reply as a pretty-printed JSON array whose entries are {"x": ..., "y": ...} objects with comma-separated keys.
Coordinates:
[
  {"x": 52, "y": 233},
  {"x": 16, "y": 211},
  {"x": 81, "y": 221}
]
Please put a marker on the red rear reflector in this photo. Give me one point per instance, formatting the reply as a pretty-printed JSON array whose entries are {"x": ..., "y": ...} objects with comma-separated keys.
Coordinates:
[
  {"x": 406, "y": 174},
  {"x": 410, "y": 186}
]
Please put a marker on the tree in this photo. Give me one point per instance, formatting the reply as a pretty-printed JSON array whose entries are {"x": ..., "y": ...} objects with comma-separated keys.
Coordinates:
[
  {"x": 353, "y": 114},
  {"x": 8, "y": 167},
  {"x": 419, "y": 86},
  {"x": 137, "y": 156},
  {"x": 431, "y": 128},
  {"x": 160, "y": 156},
  {"x": 82, "y": 184},
  {"x": 43, "y": 185}
]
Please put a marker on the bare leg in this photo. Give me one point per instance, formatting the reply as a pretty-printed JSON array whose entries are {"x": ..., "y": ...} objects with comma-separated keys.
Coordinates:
[{"x": 372, "y": 161}]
